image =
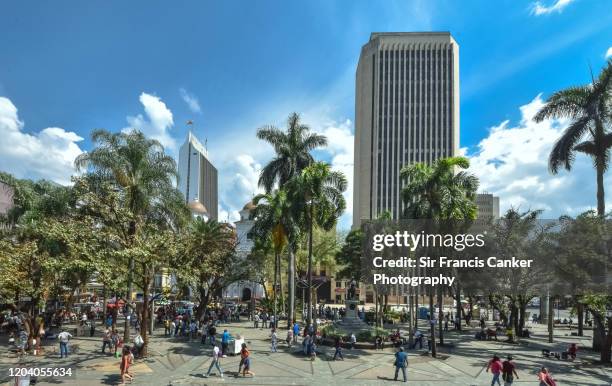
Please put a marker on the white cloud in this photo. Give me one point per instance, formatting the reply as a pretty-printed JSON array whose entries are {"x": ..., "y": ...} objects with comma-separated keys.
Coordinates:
[
  {"x": 238, "y": 177},
  {"x": 47, "y": 154},
  {"x": 609, "y": 53},
  {"x": 512, "y": 163},
  {"x": 538, "y": 8},
  {"x": 158, "y": 121},
  {"x": 191, "y": 100},
  {"x": 340, "y": 150}
]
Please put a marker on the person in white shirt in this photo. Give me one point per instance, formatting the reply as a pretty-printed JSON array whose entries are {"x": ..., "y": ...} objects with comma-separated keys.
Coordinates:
[
  {"x": 274, "y": 337},
  {"x": 63, "y": 338},
  {"x": 352, "y": 340},
  {"x": 216, "y": 354}
]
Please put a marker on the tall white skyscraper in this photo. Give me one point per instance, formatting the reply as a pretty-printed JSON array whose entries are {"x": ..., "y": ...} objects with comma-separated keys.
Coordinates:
[
  {"x": 406, "y": 111},
  {"x": 198, "y": 178}
]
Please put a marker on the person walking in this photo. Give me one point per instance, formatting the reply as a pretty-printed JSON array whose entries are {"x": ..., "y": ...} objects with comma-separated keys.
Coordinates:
[
  {"x": 338, "y": 346},
  {"x": 212, "y": 333},
  {"x": 274, "y": 339},
  {"x": 352, "y": 340},
  {"x": 63, "y": 338},
  {"x": 225, "y": 338},
  {"x": 509, "y": 371},
  {"x": 106, "y": 340},
  {"x": 215, "y": 362},
  {"x": 495, "y": 365},
  {"x": 256, "y": 320},
  {"x": 126, "y": 361},
  {"x": 305, "y": 343},
  {"x": 289, "y": 339},
  {"x": 193, "y": 330},
  {"x": 296, "y": 331},
  {"x": 116, "y": 342},
  {"x": 245, "y": 357},
  {"x": 401, "y": 362},
  {"x": 545, "y": 378},
  {"x": 166, "y": 327}
]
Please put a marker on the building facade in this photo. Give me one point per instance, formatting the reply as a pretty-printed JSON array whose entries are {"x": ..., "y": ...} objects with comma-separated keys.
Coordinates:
[
  {"x": 6, "y": 203},
  {"x": 488, "y": 206},
  {"x": 244, "y": 290},
  {"x": 198, "y": 180},
  {"x": 406, "y": 111}
]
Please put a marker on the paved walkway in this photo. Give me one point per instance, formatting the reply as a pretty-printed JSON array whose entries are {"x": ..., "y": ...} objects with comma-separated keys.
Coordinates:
[{"x": 179, "y": 362}]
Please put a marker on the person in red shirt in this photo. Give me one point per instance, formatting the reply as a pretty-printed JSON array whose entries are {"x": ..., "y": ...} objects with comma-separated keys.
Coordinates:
[
  {"x": 495, "y": 365},
  {"x": 245, "y": 356},
  {"x": 126, "y": 360},
  {"x": 572, "y": 351},
  {"x": 546, "y": 378},
  {"x": 509, "y": 371}
]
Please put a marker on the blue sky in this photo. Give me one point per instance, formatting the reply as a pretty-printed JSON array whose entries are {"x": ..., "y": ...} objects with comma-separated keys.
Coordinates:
[{"x": 75, "y": 65}]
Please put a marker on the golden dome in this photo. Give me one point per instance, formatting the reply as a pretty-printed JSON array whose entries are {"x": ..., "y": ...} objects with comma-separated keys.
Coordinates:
[
  {"x": 197, "y": 207},
  {"x": 249, "y": 206}
]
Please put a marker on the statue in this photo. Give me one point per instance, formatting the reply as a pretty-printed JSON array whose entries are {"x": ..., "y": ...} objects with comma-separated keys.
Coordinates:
[{"x": 351, "y": 290}]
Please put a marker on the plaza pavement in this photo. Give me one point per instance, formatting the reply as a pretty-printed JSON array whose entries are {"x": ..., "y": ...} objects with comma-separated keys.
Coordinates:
[{"x": 462, "y": 361}]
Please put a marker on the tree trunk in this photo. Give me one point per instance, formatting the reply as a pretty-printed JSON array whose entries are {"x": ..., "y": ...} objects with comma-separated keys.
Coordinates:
[
  {"x": 600, "y": 168},
  {"x": 551, "y": 323},
  {"x": 606, "y": 352},
  {"x": 130, "y": 285},
  {"x": 440, "y": 317},
  {"x": 521, "y": 324},
  {"x": 459, "y": 306},
  {"x": 104, "y": 303},
  {"x": 599, "y": 332},
  {"x": 432, "y": 326},
  {"x": 291, "y": 283},
  {"x": 580, "y": 312},
  {"x": 309, "y": 273},
  {"x": 276, "y": 272}
]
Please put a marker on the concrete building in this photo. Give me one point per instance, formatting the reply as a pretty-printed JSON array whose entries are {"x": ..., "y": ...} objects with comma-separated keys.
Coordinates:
[
  {"x": 6, "y": 204},
  {"x": 198, "y": 178},
  {"x": 488, "y": 205},
  {"x": 6, "y": 198},
  {"x": 406, "y": 111}
]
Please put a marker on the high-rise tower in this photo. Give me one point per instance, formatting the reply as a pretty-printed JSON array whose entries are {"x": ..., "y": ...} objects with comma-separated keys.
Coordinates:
[
  {"x": 406, "y": 111},
  {"x": 198, "y": 178}
]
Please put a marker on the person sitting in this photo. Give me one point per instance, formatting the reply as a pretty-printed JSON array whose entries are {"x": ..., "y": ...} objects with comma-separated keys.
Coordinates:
[
  {"x": 571, "y": 352},
  {"x": 491, "y": 333}
]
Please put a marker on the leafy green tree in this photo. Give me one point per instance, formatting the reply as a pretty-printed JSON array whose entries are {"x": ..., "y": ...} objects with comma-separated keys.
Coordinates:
[
  {"x": 440, "y": 191},
  {"x": 317, "y": 197},
  {"x": 292, "y": 148},
  {"x": 209, "y": 261},
  {"x": 578, "y": 251},
  {"x": 589, "y": 109},
  {"x": 273, "y": 221},
  {"x": 136, "y": 166},
  {"x": 349, "y": 256}
]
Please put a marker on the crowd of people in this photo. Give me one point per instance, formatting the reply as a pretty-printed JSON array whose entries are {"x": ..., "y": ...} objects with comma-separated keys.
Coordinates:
[{"x": 207, "y": 329}]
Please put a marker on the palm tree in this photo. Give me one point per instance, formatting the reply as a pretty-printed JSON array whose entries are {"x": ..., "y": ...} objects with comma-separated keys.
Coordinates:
[
  {"x": 292, "y": 148},
  {"x": 317, "y": 196},
  {"x": 588, "y": 108},
  {"x": 439, "y": 192},
  {"x": 273, "y": 220},
  {"x": 139, "y": 168}
]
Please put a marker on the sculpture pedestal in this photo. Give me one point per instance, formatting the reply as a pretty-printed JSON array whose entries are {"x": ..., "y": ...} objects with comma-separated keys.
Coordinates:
[
  {"x": 352, "y": 309},
  {"x": 351, "y": 322}
]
